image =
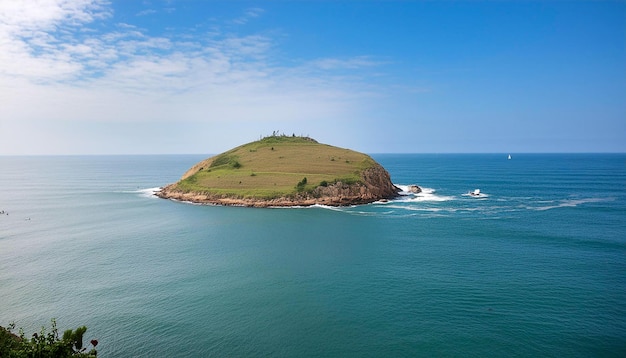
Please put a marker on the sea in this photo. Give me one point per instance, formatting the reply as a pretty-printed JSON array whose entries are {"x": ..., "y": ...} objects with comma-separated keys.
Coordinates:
[{"x": 534, "y": 266}]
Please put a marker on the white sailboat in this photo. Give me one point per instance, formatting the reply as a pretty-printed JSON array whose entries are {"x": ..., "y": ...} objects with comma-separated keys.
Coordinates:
[{"x": 509, "y": 156}]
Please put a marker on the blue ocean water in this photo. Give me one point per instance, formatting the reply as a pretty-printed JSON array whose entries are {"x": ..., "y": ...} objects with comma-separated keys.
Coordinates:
[{"x": 535, "y": 266}]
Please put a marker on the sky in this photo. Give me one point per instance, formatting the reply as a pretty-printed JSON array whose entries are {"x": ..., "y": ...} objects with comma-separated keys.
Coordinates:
[{"x": 186, "y": 77}]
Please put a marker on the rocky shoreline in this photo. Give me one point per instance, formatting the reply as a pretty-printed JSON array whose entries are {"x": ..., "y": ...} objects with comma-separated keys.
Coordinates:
[{"x": 375, "y": 186}]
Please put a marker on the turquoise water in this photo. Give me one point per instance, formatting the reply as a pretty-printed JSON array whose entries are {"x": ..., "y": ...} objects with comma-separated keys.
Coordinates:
[{"x": 536, "y": 266}]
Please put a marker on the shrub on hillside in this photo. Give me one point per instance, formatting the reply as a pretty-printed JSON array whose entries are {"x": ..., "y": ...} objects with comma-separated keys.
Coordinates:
[
  {"x": 45, "y": 344},
  {"x": 300, "y": 186}
]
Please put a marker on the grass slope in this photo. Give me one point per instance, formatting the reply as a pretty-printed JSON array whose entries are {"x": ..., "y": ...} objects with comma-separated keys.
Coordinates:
[{"x": 275, "y": 167}]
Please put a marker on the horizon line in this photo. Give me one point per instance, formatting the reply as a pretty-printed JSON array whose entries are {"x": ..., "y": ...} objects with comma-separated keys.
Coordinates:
[{"x": 368, "y": 153}]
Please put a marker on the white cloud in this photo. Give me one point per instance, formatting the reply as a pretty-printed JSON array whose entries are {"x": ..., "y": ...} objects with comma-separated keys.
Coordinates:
[
  {"x": 22, "y": 16},
  {"x": 146, "y": 12},
  {"x": 35, "y": 37},
  {"x": 354, "y": 63},
  {"x": 52, "y": 70},
  {"x": 249, "y": 14}
]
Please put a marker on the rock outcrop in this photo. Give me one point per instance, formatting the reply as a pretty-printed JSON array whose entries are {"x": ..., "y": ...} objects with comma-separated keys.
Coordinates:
[{"x": 375, "y": 185}]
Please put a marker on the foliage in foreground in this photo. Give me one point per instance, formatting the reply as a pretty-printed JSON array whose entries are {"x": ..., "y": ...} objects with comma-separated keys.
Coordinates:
[{"x": 45, "y": 344}]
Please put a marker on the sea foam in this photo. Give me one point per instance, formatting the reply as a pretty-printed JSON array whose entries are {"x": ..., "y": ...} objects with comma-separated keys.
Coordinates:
[
  {"x": 149, "y": 192},
  {"x": 568, "y": 203},
  {"x": 427, "y": 194}
]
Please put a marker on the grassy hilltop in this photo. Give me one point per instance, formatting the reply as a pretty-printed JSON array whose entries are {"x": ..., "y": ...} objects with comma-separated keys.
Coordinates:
[{"x": 274, "y": 167}]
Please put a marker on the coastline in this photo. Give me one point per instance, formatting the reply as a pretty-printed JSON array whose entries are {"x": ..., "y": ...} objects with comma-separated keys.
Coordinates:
[
  {"x": 374, "y": 185},
  {"x": 337, "y": 195}
]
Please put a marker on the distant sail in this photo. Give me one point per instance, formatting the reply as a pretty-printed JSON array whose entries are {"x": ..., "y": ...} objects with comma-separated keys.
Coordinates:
[{"x": 509, "y": 156}]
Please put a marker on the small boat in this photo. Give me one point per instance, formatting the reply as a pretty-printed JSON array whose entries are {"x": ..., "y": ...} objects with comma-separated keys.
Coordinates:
[
  {"x": 475, "y": 193},
  {"x": 509, "y": 156}
]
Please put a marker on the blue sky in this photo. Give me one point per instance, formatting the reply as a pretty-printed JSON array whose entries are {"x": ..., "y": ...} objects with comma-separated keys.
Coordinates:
[{"x": 167, "y": 77}]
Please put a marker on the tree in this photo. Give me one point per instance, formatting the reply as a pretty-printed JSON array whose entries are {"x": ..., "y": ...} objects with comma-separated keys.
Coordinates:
[{"x": 300, "y": 186}]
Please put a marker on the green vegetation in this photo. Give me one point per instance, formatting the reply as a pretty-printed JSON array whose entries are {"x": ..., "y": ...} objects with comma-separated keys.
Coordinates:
[
  {"x": 226, "y": 160},
  {"x": 301, "y": 185},
  {"x": 277, "y": 163},
  {"x": 45, "y": 344}
]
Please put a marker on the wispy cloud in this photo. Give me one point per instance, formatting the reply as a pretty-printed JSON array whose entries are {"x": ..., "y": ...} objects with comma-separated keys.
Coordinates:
[
  {"x": 66, "y": 60},
  {"x": 354, "y": 63},
  {"x": 20, "y": 16},
  {"x": 146, "y": 12},
  {"x": 127, "y": 59},
  {"x": 42, "y": 40},
  {"x": 249, "y": 14}
]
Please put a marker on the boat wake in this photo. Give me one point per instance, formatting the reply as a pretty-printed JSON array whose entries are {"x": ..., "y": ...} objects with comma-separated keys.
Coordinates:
[
  {"x": 430, "y": 204},
  {"x": 476, "y": 195},
  {"x": 568, "y": 203}
]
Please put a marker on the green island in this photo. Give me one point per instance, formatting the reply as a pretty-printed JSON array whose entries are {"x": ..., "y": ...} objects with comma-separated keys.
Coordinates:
[{"x": 281, "y": 170}]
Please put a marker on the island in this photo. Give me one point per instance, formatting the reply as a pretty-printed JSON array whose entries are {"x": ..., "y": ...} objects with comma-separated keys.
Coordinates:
[{"x": 281, "y": 170}]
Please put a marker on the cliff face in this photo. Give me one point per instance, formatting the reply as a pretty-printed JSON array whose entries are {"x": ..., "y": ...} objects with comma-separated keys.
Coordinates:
[{"x": 376, "y": 185}]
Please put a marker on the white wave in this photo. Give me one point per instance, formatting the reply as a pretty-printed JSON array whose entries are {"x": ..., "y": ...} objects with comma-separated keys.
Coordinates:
[
  {"x": 427, "y": 194},
  {"x": 314, "y": 206},
  {"x": 149, "y": 192},
  {"x": 327, "y": 207},
  {"x": 429, "y": 210},
  {"x": 404, "y": 189}
]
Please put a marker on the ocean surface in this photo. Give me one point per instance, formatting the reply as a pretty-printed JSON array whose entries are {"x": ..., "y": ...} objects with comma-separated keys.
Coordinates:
[{"x": 534, "y": 266}]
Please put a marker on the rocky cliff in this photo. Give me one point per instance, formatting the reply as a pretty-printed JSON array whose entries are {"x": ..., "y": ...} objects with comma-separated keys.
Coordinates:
[{"x": 376, "y": 185}]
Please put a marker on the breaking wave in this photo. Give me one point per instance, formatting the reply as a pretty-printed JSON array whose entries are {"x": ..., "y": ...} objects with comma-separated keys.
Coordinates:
[
  {"x": 427, "y": 194},
  {"x": 148, "y": 192}
]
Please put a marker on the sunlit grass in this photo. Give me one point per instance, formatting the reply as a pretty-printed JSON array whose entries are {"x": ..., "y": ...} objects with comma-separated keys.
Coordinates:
[{"x": 273, "y": 167}]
